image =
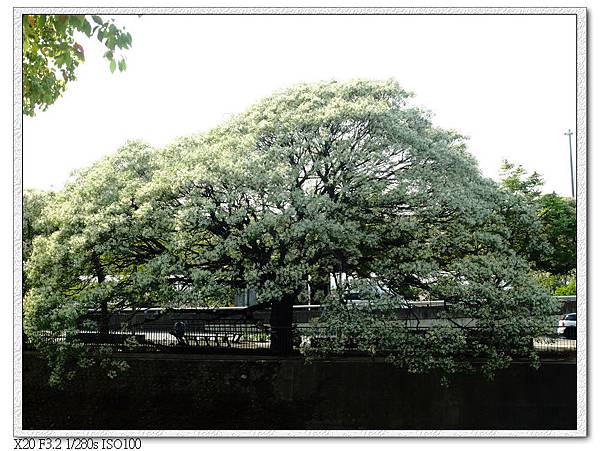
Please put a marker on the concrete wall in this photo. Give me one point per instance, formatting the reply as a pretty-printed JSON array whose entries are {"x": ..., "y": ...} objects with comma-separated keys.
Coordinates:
[{"x": 196, "y": 392}]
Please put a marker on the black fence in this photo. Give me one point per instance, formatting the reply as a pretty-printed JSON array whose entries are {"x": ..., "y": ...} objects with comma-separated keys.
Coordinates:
[
  {"x": 233, "y": 337},
  {"x": 221, "y": 336}
]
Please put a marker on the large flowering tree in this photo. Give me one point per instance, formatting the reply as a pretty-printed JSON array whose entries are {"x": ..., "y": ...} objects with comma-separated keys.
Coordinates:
[{"x": 319, "y": 179}]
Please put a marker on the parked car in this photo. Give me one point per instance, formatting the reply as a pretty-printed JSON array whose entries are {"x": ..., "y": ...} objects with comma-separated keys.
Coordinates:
[{"x": 567, "y": 326}]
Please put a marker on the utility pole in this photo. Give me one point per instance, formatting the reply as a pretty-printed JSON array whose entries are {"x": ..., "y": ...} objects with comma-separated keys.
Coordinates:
[{"x": 569, "y": 133}]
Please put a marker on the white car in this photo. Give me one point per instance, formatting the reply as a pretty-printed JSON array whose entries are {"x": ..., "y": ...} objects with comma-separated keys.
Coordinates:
[{"x": 567, "y": 326}]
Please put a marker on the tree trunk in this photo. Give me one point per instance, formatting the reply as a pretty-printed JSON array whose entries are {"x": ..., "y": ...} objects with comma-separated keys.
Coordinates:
[
  {"x": 103, "y": 327},
  {"x": 281, "y": 325}
]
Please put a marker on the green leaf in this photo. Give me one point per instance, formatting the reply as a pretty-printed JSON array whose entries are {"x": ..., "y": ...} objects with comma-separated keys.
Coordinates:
[
  {"x": 113, "y": 65},
  {"x": 60, "y": 25},
  {"x": 86, "y": 27},
  {"x": 75, "y": 21},
  {"x": 98, "y": 20},
  {"x": 60, "y": 59}
]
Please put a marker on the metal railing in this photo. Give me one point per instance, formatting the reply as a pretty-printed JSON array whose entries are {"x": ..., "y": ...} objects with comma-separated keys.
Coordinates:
[{"x": 238, "y": 338}]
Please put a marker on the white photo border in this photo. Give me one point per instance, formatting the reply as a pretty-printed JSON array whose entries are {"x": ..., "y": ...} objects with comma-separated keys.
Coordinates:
[{"x": 581, "y": 183}]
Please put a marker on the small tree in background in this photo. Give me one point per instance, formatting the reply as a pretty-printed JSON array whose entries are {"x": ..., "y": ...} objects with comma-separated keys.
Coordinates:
[
  {"x": 556, "y": 258},
  {"x": 51, "y": 54}
]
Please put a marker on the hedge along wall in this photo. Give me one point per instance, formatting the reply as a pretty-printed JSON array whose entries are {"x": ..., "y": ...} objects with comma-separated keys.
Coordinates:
[{"x": 194, "y": 392}]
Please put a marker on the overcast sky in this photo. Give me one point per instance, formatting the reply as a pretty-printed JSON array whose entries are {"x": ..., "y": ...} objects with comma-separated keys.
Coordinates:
[{"x": 507, "y": 82}]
